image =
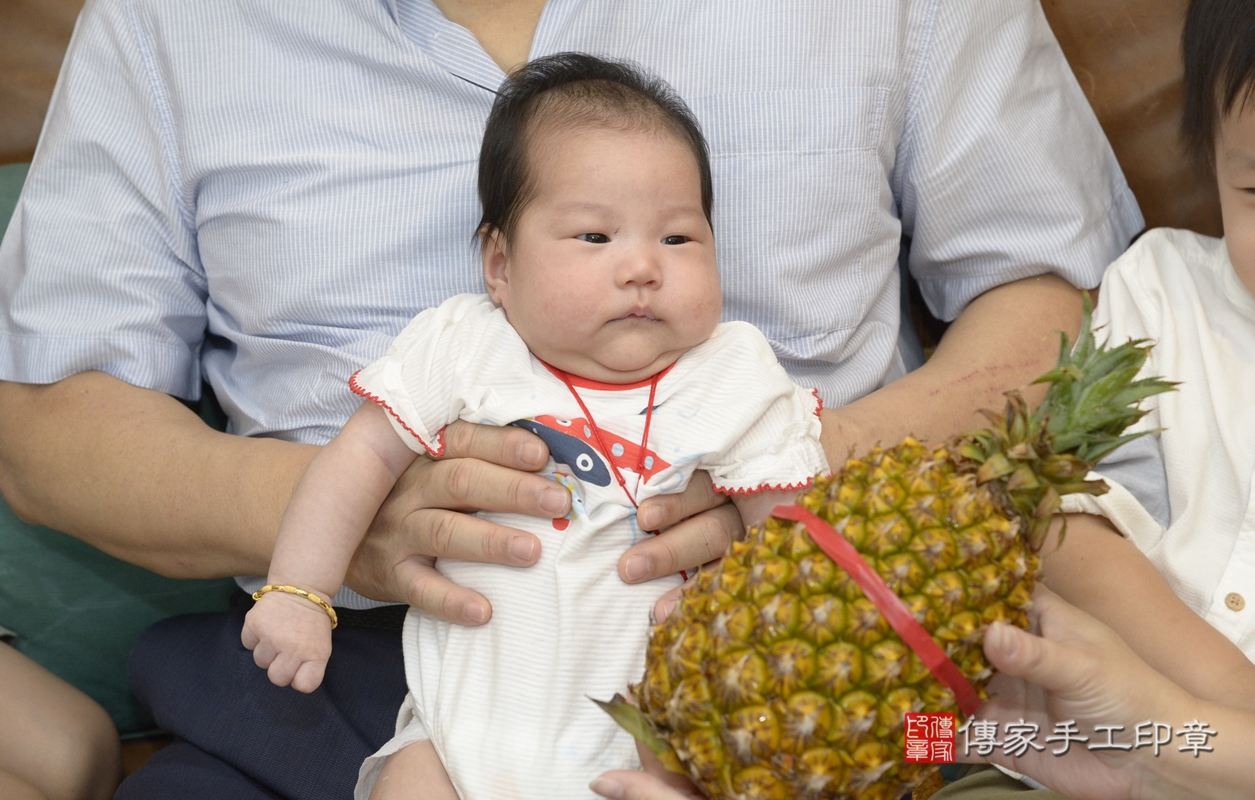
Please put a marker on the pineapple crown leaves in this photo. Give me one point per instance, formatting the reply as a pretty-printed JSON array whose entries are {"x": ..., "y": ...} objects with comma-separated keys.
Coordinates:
[
  {"x": 1030, "y": 459},
  {"x": 1093, "y": 396}
]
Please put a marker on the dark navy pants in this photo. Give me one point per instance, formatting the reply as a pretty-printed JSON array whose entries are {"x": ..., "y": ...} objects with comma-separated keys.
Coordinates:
[{"x": 237, "y": 737}]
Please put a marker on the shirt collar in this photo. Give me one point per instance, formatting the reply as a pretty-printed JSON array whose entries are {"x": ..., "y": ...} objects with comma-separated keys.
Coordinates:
[{"x": 456, "y": 49}]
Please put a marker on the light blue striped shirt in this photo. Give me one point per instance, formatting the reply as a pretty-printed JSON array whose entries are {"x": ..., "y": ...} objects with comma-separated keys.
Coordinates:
[{"x": 262, "y": 193}]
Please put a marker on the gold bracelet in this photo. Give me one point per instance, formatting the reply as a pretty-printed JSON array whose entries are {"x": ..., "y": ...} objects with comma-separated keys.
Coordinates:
[{"x": 313, "y": 598}]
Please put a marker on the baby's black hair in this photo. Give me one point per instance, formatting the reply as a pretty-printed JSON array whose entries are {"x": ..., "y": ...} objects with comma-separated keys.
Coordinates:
[
  {"x": 1218, "y": 46},
  {"x": 573, "y": 90}
]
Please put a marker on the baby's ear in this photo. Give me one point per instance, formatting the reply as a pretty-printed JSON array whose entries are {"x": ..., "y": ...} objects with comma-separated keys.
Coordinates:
[{"x": 492, "y": 248}]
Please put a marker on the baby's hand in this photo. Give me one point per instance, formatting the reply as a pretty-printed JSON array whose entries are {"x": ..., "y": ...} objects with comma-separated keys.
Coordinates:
[{"x": 290, "y": 638}]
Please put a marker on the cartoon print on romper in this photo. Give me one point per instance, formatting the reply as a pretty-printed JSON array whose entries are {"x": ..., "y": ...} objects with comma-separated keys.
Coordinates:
[{"x": 573, "y": 444}]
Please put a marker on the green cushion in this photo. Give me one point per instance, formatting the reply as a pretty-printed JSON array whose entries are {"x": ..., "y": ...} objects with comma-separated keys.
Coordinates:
[
  {"x": 12, "y": 176},
  {"x": 75, "y": 609}
]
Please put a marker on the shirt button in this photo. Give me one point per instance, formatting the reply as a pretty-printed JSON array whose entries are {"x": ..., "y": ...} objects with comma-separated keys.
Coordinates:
[{"x": 1234, "y": 601}]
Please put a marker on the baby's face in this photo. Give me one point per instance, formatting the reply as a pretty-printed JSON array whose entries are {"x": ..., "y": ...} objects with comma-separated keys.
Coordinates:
[
  {"x": 1235, "y": 173},
  {"x": 610, "y": 273}
]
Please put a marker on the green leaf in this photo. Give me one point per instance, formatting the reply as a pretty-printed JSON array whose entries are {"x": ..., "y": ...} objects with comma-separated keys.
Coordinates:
[{"x": 634, "y": 721}]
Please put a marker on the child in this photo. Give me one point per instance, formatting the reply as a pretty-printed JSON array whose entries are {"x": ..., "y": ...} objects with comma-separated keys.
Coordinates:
[
  {"x": 1195, "y": 297},
  {"x": 600, "y": 334}
]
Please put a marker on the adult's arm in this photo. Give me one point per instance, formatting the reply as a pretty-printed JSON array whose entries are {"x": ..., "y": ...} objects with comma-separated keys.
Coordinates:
[
  {"x": 994, "y": 346},
  {"x": 1108, "y": 577},
  {"x": 135, "y": 473}
]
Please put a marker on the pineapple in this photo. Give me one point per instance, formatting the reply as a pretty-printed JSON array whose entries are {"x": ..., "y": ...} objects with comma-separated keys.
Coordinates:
[{"x": 777, "y": 677}]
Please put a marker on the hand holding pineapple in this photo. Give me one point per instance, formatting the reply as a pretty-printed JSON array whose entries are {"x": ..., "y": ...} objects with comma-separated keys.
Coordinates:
[{"x": 1077, "y": 669}]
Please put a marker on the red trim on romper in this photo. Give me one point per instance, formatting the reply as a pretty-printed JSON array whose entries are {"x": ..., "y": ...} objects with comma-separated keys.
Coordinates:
[
  {"x": 778, "y": 487},
  {"x": 767, "y": 487},
  {"x": 589, "y": 383},
  {"x": 357, "y": 389}
]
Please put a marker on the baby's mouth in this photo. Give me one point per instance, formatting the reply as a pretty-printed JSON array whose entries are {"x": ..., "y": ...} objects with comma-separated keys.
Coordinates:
[{"x": 640, "y": 313}]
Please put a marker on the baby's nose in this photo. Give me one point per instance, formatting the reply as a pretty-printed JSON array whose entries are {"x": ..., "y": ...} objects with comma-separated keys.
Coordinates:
[{"x": 640, "y": 266}]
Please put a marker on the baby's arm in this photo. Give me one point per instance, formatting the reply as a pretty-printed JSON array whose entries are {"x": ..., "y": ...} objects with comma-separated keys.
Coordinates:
[
  {"x": 757, "y": 507},
  {"x": 1106, "y": 575},
  {"x": 325, "y": 521}
]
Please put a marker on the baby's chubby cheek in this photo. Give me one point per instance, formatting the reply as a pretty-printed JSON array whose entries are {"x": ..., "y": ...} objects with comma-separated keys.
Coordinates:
[{"x": 705, "y": 315}]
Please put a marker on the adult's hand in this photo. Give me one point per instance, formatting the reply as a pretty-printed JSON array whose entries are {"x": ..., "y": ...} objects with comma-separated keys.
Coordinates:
[
  {"x": 137, "y": 474},
  {"x": 695, "y": 527},
  {"x": 1079, "y": 670},
  {"x": 652, "y": 782},
  {"x": 430, "y": 514}
]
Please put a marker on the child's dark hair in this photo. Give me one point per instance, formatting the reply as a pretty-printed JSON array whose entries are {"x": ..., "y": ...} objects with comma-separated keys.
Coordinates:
[
  {"x": 1218, "y": 46},
  {"x": 573, "y": 90}
]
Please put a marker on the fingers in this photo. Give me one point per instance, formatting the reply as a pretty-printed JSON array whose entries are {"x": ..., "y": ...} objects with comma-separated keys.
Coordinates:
[
  {"x": 684, "y": 546},
  {"x": 289, "y": 639},
  {"x": 286, "y": 668},
  {"x": 281, "y": 670},
  {"x": 428, "y": 534},
  {"x": 424, "y": 588},
  {"x": 1023, "y": 655},
  {"x": 667, "y": 603},
  {"x": 308, "y": 676},
  {"x": 421, "y": 518},
  {"x": 1049, "y": 664},
  {"x": 448, "y": 534},
  {"x": 631, "y": 785},
  {"x": 507, "y": 446},
  {"x": 469, "y": 484},
  {"x": 264, "y": 654},
  {"x": 248, "y": 637},
  {"x": 666, "y": 510}
]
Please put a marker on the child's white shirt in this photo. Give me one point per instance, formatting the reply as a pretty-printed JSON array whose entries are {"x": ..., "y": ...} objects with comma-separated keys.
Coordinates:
[
  {"x": 1178, "y": 289},
  {"x": 506, "y": 704}
]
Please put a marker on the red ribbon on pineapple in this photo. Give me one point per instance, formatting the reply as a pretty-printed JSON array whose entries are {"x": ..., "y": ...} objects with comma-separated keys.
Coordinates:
[{"x": 891, "y": 606}]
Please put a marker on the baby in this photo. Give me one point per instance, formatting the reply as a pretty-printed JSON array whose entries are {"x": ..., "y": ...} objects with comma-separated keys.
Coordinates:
[{"x": 600, "y": 333}]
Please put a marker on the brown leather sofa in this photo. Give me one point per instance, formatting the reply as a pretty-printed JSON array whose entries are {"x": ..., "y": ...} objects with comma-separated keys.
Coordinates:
[
  {"x": 1124, "y": 53},
  {"x": 1126, "y": 56}
]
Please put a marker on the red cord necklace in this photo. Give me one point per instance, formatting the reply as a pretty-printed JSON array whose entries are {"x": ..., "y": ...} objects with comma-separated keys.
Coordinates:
[
  {"x": 592, "y": 423},
  {"x": 609, "y": 455}
]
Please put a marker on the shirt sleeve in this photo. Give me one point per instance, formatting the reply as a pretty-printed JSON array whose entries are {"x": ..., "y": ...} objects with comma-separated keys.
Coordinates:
[
  {"x": 417, "y": 382},
  {"x": 99, "y": 267},
  {"x": 776, "y": 446},
  {"x": 1137, "y": 502},
  {"x": 1138, "y": 466},
  {"x": 1002, "y": 171}
]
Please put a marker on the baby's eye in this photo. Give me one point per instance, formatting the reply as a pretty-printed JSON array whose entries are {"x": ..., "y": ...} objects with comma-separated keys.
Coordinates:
[
  {"x": 676, "y": 240},
  {"x": 593, "y": 238}
]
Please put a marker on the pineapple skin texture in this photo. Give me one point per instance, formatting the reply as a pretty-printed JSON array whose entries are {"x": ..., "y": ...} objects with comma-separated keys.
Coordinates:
[{"x": 776, "y": 678}]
